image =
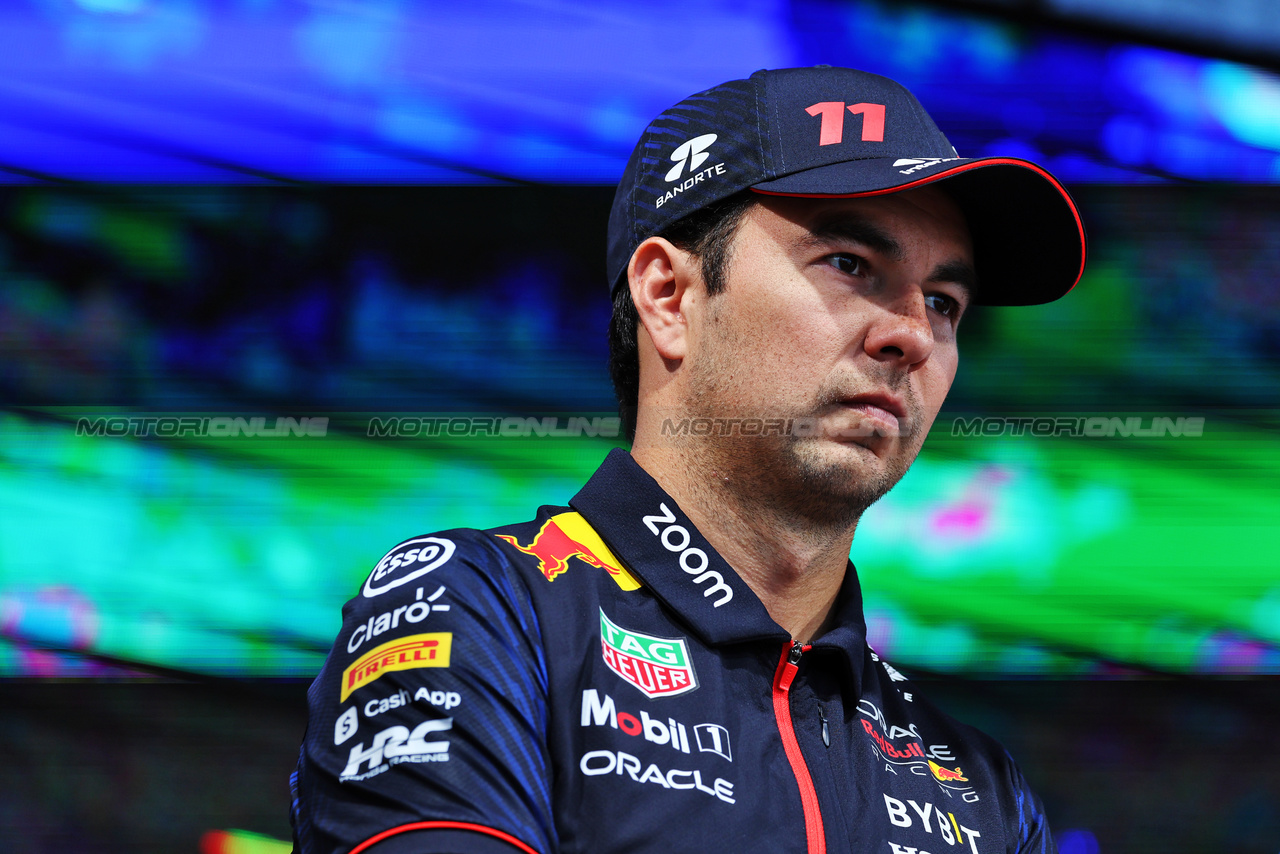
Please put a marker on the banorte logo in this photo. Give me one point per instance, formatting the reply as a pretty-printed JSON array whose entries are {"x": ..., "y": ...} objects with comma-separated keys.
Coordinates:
[
  {"x": 692, "y": 153},
  {"x": 567, "y": 535},
  {"x": 689, "y": 171}
]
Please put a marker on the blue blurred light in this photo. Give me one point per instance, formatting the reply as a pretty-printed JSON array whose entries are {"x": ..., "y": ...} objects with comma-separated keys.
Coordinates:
[
  {"x": 1078, "y": 841},
  {"x": 360, "y": 163},
  {"x": 427, "y": 124},
  {"x": 1012, "y": 147},
  {"x": 1023, "y": 117},
  {"x": 1208, "y": 159},
  {"x": 1077, "y": 168},
  {"x": 120, "y": 7},
  {"x": 137, "y": 37},
  {"x": 353, "y": 44},
  {"x": 617, "y": 120},
  {"x": 1246, "y": 101},
  {"x": 197, "y": 91},
  {"x": 1163, "y": 82},
  {"x": 1127, "y": 139}
]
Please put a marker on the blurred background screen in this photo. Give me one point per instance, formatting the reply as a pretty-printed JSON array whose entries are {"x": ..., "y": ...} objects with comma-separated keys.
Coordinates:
[{"x": 284, "y": 283}]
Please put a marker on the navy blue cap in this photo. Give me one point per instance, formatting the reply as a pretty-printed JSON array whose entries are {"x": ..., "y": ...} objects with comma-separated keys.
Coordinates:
[{"x": 838, "y": 132}]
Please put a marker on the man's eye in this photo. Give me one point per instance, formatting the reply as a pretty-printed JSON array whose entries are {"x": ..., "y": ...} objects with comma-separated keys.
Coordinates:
[
  {"x": 849, "y": 264},
  {"x": 943, "y": 304}
]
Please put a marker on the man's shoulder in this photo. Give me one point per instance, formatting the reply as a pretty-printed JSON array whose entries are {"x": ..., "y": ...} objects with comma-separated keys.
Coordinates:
[
  {"x": 416, "y": 557},
  {"x": 560, "y": 543},
  {"x": 906, "y": 710},
  {"x": 457, "y": 563},
  {"x": 971, "y": 770},
  {"x": 556, "y": 545}
]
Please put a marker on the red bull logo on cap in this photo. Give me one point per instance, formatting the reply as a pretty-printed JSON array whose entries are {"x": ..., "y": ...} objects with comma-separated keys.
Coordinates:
[{"x": 567, "y": 535}]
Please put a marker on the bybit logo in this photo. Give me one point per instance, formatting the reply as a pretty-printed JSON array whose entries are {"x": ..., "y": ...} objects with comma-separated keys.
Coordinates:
[{"x": 693, "y": 153}]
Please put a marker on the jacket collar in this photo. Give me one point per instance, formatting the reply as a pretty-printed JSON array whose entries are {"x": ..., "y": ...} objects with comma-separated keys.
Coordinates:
[{"x": 646, "y": 528}]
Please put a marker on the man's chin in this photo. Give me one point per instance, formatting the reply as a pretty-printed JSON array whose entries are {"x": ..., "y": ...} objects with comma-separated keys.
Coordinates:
[
  {"x": 851, "y": 474},
  {"x": 859, "y": 450}
]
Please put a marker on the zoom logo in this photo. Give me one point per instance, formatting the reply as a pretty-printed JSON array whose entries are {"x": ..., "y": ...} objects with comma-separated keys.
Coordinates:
[{"x": 693, "y": 560}]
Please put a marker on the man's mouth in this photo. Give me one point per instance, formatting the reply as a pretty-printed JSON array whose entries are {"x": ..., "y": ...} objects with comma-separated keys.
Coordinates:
[{"x": 881, "y": 412}]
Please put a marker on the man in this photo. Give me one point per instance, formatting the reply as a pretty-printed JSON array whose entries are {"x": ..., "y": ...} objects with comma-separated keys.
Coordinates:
[{"x": 678, "y": 660}]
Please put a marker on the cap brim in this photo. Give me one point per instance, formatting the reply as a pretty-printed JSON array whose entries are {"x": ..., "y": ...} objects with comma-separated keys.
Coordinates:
[{"x": 1028, "y": 239}]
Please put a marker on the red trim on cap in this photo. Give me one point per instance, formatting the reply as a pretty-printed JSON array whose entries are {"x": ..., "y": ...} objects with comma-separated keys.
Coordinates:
[
  {"x": 956, "y": 170},
  {"x": 442, "y": 825}
]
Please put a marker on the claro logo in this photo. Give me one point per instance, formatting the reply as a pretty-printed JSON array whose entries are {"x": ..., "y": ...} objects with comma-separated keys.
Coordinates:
[{"x": 693, "y": 560}]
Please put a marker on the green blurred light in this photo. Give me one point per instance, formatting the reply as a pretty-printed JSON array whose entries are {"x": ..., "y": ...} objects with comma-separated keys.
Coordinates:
[{"x": 241, "y": 842}]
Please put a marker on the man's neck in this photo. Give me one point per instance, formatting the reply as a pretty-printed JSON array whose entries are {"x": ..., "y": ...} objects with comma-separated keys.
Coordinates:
[{"x": 793, "y": 564}]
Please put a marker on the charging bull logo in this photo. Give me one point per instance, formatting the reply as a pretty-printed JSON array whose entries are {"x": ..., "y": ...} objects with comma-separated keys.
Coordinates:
[
  {"x": 568, "y": 535},
  {"x": 946, "y": 775}
]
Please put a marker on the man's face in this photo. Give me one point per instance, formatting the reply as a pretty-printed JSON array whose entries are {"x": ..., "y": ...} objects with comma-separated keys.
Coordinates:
[{"x": 841, "y": 313}]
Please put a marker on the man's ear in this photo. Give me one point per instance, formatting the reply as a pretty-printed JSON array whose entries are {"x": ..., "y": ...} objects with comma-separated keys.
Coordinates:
[{"x": 660, "y": 275}]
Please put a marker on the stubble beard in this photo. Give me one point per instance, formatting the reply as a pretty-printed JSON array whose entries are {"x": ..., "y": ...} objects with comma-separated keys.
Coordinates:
[
  {"x": 832, "y": 491},
  {"x": 816, "y": 480}
]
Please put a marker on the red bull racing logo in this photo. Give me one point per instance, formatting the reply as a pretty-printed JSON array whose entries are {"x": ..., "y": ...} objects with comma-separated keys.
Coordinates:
[
  {"x": 903, "y": 750},
  {"x": 659, "y": 667},
  {"x": 568, "y": 535},
  {"x": 946, "y": 775}
]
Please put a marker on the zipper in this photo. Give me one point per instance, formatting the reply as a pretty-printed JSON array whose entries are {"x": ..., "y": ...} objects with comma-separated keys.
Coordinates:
[
  {"x": 826, "y": 736},
  {"x": 788, "y": 666}
]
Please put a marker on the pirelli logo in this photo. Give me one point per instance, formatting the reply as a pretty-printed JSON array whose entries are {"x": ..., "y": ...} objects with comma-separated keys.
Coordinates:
[{"x": 408, "y": 653}]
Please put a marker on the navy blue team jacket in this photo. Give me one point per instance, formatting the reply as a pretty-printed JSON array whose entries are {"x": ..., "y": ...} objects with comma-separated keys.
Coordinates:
[{"x": 600, "y": 680}]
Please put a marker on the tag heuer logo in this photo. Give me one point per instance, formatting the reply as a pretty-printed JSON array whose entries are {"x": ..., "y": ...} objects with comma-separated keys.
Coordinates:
[{"x": 659, "y": 667}]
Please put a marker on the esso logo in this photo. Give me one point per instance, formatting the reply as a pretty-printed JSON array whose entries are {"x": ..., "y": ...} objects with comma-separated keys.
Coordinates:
[{"x": 414, "y": 558}]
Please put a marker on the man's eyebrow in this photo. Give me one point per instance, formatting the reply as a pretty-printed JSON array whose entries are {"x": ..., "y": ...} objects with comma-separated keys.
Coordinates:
[
  {"x": 849, "y": 227},
  {"x": 957, "y": 272}
]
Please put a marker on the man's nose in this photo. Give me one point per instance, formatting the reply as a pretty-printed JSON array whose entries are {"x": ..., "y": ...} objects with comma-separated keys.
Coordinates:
[{"x": 901, "y": 331}]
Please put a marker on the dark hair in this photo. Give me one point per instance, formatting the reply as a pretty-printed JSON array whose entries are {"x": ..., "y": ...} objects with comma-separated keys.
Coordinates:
[{"x": 707, "y": 234}]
